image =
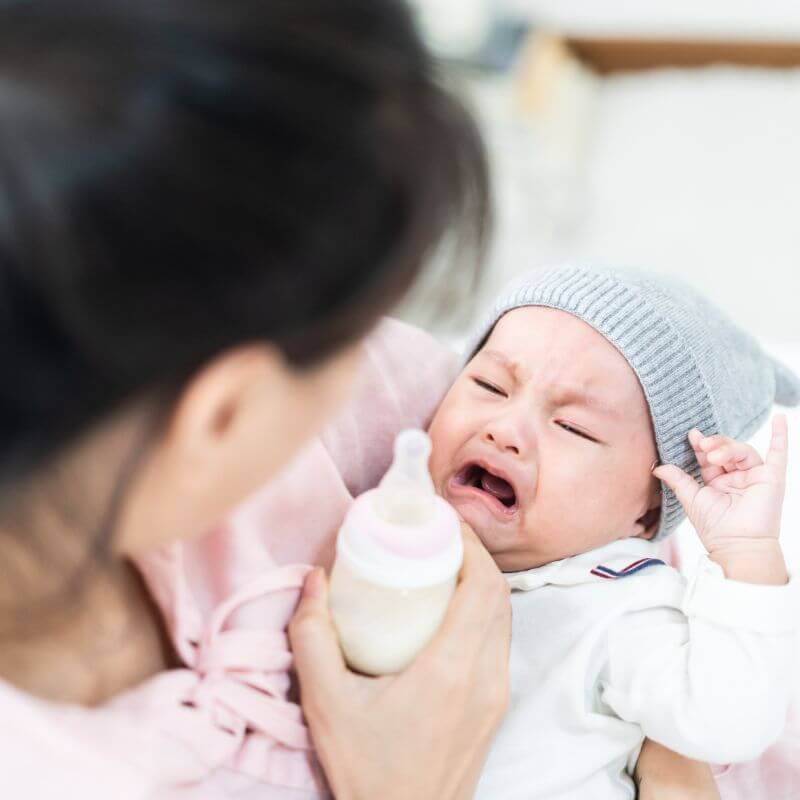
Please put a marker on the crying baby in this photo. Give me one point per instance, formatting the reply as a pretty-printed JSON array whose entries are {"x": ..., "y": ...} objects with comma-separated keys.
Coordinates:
[{"x": 598, "y": 407}]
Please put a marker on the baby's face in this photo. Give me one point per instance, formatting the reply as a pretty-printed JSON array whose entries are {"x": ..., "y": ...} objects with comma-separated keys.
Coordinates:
[{"x": 544, "y": 443}]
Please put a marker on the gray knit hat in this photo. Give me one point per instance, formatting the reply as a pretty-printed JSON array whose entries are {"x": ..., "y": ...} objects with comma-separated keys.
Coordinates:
[{"x": 697, "y": 368}]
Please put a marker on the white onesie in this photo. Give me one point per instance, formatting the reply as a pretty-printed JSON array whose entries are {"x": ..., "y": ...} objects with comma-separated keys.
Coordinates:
[{"x": 613, "y": 645}]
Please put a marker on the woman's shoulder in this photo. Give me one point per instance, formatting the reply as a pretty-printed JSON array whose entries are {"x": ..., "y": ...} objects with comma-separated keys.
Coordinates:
[
  {"x": 404, "y": 377},
  {"x": 406, "y": 374}
]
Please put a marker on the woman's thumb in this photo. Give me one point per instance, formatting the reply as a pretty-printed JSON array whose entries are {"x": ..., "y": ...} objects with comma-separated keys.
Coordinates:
[{"x": 312, "y": 635}]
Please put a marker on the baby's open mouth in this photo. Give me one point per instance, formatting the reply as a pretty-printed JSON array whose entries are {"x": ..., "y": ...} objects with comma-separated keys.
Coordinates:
[{"x": 482, "y": 479}]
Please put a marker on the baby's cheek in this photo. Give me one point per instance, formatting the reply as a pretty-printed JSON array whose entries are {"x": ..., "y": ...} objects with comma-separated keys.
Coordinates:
[
  {"x": 444, "y": 433},
  {"x": 574, "y": 478},
  {"x": 438, "y": 476},
  {"x": 580, "y": 499},
  {"x": 439, "y": 461}
]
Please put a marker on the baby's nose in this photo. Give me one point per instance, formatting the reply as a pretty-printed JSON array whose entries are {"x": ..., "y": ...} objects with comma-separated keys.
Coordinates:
[{"x": 503, "y": 440}]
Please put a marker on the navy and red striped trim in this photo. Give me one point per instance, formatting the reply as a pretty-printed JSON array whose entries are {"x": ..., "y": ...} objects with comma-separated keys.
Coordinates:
[{"x": 636, "y": 566}]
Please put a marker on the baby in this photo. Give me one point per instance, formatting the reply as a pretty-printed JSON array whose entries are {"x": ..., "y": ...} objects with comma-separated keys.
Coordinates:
[
  {"x": 548, "y": 444},
  {"x": 582, "y": 382}
]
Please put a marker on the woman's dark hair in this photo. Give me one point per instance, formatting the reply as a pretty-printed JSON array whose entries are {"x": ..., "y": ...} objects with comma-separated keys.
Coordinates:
[{"x": 181, "y": 176}]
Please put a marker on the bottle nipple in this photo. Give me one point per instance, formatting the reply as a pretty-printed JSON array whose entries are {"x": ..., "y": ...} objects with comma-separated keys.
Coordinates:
[{"x": 406, "y": 495}]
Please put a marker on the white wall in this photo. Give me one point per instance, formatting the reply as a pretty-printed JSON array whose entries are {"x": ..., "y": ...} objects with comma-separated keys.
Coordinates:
[
  {"x": 778, "y": 19},
  {"x": 696, "y": 173}
]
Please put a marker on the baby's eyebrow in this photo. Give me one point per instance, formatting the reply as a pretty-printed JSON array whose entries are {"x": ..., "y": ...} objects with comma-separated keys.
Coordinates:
[
  {"x": 567, "y": 394},
  {"x": 504, "y": 361},
  {"x": 580, "y": 396}
]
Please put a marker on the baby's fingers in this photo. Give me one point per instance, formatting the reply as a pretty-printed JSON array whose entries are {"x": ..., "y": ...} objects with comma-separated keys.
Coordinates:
[
  {"x": 733, "y": 455},
  {"x": 708, "y": 471},
  {"x": 682, "y": 484},
  {"x": 778, "y": 454},
  {"x": 737, "y": 482}
]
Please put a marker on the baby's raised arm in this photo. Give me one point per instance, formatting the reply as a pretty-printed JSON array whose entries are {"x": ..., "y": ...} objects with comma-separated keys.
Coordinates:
[
  {"x": 709, "y": 673},
  {"x": 737, "y": 513}
]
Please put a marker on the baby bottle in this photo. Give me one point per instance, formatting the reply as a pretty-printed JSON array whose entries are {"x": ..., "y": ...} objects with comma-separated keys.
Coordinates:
[{"x": 398, "y": 555}]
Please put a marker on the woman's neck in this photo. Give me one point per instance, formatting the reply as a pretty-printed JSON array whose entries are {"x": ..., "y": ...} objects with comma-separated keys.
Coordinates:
[{"x": 112, "y": 639}]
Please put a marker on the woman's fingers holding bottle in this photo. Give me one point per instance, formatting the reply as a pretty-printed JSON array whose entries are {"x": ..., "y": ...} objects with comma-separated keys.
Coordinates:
[
  {"x": 474, "y": 639},
  {"x": 317, "y": 657},
  {"x": 481, "y": 603},
  {"x": 422, "y": 733},
  {"x": 464, "y": 671}
]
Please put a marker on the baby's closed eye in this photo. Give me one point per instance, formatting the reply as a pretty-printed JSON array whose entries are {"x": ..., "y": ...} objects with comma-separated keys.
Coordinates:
[
  {"x": 489, "y": 387},
  {"x": 576, "y": 431}
]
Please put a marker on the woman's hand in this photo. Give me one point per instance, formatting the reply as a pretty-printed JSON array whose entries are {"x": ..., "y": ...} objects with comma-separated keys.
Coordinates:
[
  {"x": 737, "y": 512},
  {"x": 425, "y": 732},
  {"x": 662, "y": 774}
]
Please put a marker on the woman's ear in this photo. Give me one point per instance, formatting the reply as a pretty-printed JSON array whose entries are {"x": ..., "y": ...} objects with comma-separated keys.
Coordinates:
[
  {"x": 211, "y": 406},
  {"x": 212, "y": 451},
  {"x": 237, "y": 422},
  {"x": 201, "y": 462}
]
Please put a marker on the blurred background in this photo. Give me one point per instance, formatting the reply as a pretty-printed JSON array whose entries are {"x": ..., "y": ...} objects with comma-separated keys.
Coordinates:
[
  {"x": 664, "y": 135},
  {"x": 661, "y": 134}
]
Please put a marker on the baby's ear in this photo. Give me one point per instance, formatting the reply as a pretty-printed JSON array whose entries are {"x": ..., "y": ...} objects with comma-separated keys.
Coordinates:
[{"x": 647, "y": 525}]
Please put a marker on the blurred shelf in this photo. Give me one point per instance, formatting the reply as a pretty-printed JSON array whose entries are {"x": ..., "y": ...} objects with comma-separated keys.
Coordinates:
[{"x": 608, "y": 55}]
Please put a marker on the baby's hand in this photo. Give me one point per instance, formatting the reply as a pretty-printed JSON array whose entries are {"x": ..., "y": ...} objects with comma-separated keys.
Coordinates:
[{"x": 738, "y": 510}]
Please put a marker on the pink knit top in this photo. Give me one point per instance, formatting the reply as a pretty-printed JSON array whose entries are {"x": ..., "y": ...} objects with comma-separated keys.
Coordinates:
[{"x": 227, "y": 724}]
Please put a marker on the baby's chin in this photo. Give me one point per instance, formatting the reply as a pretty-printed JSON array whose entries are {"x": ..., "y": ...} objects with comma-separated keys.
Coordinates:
[
  {"x": 502, "y": 543},
  {"x": 482, "y": 522},
  {"x": 507, "y": 545},
  {"x": 501, "y": 537}
]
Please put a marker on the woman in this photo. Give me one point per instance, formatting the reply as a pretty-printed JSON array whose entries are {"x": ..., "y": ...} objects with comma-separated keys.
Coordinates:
[{"x": 206, "y": 205}]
